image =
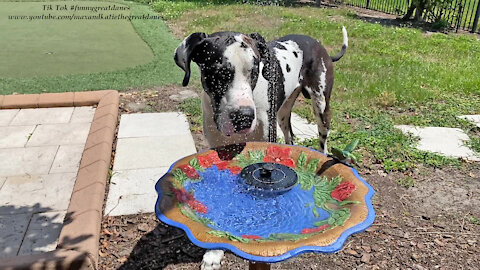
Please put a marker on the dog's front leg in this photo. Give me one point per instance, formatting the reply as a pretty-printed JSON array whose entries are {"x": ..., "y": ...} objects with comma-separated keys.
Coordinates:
[
  {"x": 212, "y": 259},
  {"x": 323, "y": 123}
]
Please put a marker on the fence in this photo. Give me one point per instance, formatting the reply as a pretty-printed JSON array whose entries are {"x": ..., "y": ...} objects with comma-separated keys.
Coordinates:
[{"x": 459, "y": 14}]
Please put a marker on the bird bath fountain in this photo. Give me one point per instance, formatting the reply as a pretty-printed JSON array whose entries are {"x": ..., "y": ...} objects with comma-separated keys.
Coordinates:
[{"x": 264, "y": 202}]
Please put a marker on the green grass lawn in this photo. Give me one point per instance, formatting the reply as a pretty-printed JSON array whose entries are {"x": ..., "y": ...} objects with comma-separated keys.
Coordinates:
[
  {"x": 33, "y": 47},
  {"x": 85, "y": 55},
  {"x": 389, "y": 75}
]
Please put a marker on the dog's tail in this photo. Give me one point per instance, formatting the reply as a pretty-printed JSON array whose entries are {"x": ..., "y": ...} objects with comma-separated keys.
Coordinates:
[{"x": 344, "y": 46}]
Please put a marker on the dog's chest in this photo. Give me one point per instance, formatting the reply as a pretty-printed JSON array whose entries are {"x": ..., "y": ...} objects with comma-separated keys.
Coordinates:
[{"x": 290, "y": 59}]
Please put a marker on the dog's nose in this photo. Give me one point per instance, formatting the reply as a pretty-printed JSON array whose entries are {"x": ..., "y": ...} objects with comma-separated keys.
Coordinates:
[{"x": 242, "y": 118}]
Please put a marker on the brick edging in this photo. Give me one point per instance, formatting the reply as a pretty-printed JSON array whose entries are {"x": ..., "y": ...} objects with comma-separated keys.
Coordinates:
[{"x": 81, "y": 229}]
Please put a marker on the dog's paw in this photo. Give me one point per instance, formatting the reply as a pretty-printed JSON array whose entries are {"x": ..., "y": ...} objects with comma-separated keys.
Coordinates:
[{"x": 211, "y": 260}]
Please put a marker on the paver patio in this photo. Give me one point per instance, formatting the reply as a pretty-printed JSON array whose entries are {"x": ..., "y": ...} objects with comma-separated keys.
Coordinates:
[
  {"x": 301, "y": 128},
  {"x": 40, "y": 152},
  {"x": 146, "y": 147}
]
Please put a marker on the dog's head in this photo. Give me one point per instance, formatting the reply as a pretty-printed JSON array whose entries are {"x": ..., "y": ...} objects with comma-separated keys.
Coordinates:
[{"x": 229, "y": 64}]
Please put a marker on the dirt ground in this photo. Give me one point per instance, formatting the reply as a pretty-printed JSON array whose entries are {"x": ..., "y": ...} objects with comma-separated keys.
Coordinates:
[{"x": 427, "y": 226}]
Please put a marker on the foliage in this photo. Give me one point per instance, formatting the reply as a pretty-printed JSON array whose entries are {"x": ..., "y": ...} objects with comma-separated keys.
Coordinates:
[
  {"x": 474, "y": 220},
  {"x": 192, "y": 107},
  {"x": 406, "y": 182}
]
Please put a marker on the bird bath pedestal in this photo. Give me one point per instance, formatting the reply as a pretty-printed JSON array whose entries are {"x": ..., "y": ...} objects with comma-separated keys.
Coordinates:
[{"x": 264, "y": 202}]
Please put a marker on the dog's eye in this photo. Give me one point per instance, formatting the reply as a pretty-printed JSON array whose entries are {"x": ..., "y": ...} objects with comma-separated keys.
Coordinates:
[{"x": 243, "y": 45}]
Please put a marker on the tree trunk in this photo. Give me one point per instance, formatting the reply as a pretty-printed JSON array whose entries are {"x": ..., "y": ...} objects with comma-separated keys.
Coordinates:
[
  {"x": 409, "y": 13},
  {"x": 420, "y": 9}
]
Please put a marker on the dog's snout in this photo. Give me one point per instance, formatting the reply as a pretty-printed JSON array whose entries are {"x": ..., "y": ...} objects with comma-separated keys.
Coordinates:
[{"x": 242, "y": 118}]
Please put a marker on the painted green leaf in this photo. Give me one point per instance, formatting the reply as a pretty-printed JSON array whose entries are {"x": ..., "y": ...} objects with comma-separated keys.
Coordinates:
[
  {"x": 218, "y": 233},
  {"x": 321, "y": 222},
  {"x": 180, "y": 176},
  {"x": 334, "y": 182},
  {"x": 241, "y": 160},
  {"x": 255, "y": 156},
  {"x": 302, "y": 161},
  {"x": 194, "y": 163},
  {"x": 286, "y": 236},
  {"x": 342, "y": 203},
  {"x": 228, "y": 235},
  {"x": 320, "y": 197},
  {"x": 306, "y": 180},
  {"x": 338, "y": 217},
  {"x": 315, "y": 212},
  {"x": 312, "y": 166},
  {"x": 191, "y": 215},
  {"x": 321, "y": 183}
]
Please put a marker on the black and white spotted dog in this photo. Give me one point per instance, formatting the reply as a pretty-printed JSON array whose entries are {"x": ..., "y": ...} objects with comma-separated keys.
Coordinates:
[{"x": 250, "y": 85}]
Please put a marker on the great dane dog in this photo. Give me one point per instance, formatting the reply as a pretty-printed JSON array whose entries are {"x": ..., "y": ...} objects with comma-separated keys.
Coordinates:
[{"x": 251, "y": 84}]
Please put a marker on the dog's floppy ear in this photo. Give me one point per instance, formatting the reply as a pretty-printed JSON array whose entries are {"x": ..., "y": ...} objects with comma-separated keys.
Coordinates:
[
  {"x": 261, "y": 44},
  {"x": 183, "y": 54}
]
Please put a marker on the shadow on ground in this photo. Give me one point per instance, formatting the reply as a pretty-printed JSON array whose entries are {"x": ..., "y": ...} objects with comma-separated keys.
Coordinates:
[
  {"x": 161, "y": 247},
  {"x": 392, "y": 21},
  {"x": 34, "y": 230}
]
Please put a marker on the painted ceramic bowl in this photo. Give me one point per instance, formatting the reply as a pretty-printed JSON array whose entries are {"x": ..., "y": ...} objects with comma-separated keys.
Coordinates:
[{"x": 211, "y": 196}]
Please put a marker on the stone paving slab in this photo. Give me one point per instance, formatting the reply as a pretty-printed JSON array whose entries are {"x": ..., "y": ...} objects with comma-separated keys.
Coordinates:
[
  {"x": 445, "y": 141},
  {"x": 67, "y": 159},
  {"x": 147, "y": 145},
  {"x": 153, "y": 124},
  {"x": 6, "y": 116},
  {"x": 32, "y": 160},
  {"x": 15, "y": 136},
  {"x": 301, "y": 128},
  {"x": 60, "y": 134},
  {"x": 42, "y": 116},
  {"x": 152, "y": 152},
  {"x": 133, "y": 191},
  {"x": 42, "y": 233},
  {"x": 82, "y": 114},
  {"x": 12, "y": 230},
  {"x": 475, "y": 119},
  {"x": 36, "y": 193}
]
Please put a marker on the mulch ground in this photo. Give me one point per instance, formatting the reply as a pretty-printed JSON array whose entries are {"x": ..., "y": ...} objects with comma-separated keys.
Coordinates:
[{"x": 427, "y": 226}]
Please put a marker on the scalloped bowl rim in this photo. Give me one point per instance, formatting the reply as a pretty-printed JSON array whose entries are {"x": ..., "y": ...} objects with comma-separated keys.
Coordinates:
[{"x": 334, "y": 247}]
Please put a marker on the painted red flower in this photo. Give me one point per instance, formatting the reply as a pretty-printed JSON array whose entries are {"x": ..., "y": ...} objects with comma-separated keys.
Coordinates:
[
  {"x": 314, "y": 230},
  {"x": 253, "y": 237},
  {"x": 276, "y": 154},
  {"x": 222, "y": 165},
  {"x": 235, "y": 169},
  {"x": 186, "y": 197},
  {"x": 189, "y": 171},
  {"x": 197, "y": 206},
  {"x": 182, "y": 195},
  {"x": 343, "y": 191},
  {"x": 206, "y": 161}
]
